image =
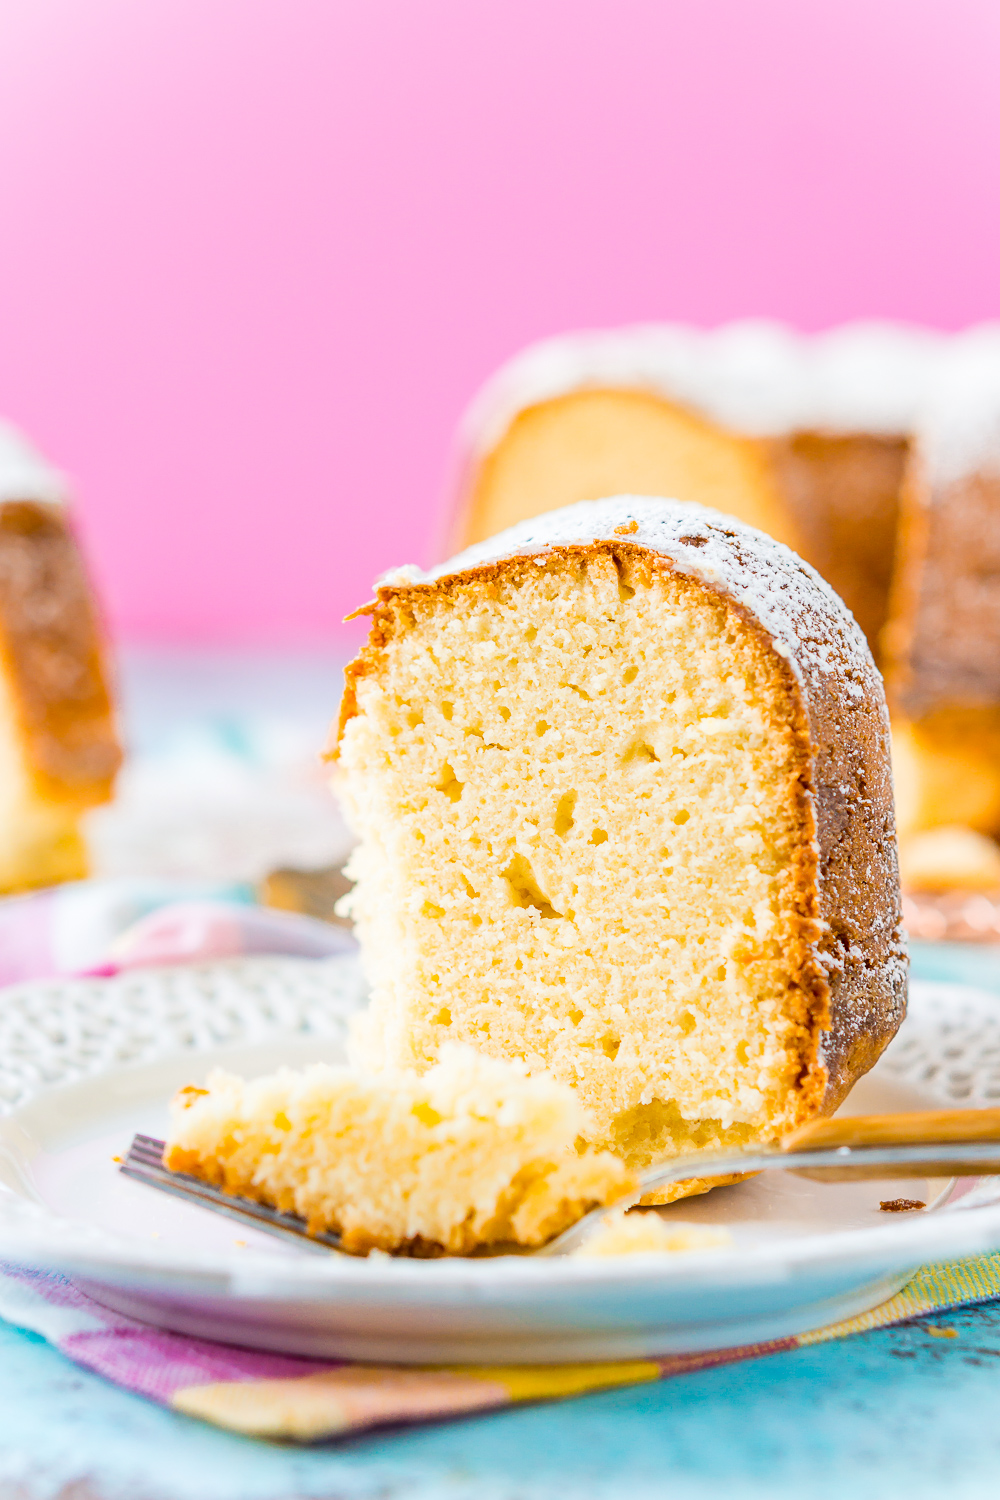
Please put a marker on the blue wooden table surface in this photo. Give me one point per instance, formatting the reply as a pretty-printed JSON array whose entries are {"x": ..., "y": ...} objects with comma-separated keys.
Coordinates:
[
  {"x": 902, "y": 1411},
  {"x": 911, "y": 1411}
]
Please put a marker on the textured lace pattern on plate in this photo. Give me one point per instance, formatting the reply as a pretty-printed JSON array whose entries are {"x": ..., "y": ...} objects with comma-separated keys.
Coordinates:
[
  {"x": 58, "y": 1031},
  {"x": 949, "y": 1045}
]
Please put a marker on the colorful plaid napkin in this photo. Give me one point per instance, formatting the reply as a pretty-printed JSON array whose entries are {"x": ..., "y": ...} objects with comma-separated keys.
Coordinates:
[{"x": 306, "y": 1400}]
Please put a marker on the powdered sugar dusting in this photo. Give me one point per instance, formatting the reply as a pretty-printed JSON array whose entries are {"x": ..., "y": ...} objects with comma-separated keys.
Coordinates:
[
  {"x": 959, "y": 429},
  {"x": 24, "y": 473},
  {"x": 748, "y": 375}
]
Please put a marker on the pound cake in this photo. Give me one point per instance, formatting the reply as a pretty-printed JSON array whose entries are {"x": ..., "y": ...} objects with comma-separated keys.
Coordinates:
[
  {"x": 473, "y": 1154},
  {"x": 58, "y": 746},
  {"x": 620, "y": 779},
  {"x": 873, "y": 450}
]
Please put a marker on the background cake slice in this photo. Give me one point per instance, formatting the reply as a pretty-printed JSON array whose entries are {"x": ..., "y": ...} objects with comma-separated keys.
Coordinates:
[
  {"x": 620, "y": 778},
  {"x": 58, "y": 744}
]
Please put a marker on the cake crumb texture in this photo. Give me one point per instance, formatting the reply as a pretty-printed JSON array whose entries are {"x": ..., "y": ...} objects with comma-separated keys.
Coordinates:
[{"x": 474, "y": 1153}]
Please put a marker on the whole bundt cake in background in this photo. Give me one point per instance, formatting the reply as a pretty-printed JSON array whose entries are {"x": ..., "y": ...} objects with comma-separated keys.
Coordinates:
[{"x": 621, "y": 782}]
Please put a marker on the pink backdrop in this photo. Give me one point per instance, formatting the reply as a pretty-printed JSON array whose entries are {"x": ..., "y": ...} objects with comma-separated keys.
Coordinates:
[{"x": 256, "y": 254}]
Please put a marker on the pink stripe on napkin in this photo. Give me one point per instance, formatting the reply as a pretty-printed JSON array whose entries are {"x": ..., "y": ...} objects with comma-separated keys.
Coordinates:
[{"x": 148, "y": 1360}]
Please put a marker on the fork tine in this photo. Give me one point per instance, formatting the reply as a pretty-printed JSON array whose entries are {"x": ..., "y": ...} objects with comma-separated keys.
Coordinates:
[
  {"x": 144, "y": 1163},
  {"x": 241, "y": 1209},
  {"x": 146, "y": 1148}
]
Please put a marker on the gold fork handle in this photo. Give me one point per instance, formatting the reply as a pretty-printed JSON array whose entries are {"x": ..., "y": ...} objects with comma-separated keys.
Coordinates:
[{"x": 928, "y": 1127}]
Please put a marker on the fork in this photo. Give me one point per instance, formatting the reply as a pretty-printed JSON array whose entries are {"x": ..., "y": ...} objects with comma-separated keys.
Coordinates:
[
  {"x": 934, "y": 1143},
  {"x": 144, "y": 1163}
]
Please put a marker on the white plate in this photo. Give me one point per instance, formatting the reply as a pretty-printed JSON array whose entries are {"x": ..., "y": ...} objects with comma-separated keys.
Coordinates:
[{"x": 85, "y": 1063}]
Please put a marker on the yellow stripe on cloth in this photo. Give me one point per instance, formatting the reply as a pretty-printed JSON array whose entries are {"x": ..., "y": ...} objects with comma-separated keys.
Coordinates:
[
  {"x": 533, "y": 1382},
  {"x": 352, "y": 1397},
  {"x": 309, "y": 1407},
  {"x": 933, "y": 1289}
]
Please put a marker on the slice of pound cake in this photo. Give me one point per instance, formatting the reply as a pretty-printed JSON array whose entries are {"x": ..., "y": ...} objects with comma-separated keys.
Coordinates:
[
  {"x": 620, "y": 777},
  {"x": 474, "y": 1153}
]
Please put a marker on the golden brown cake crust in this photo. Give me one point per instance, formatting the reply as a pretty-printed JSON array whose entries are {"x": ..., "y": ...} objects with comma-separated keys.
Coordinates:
[
  {"x": 50, "y": 650},
  {"x": 850, "y": 958}
]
